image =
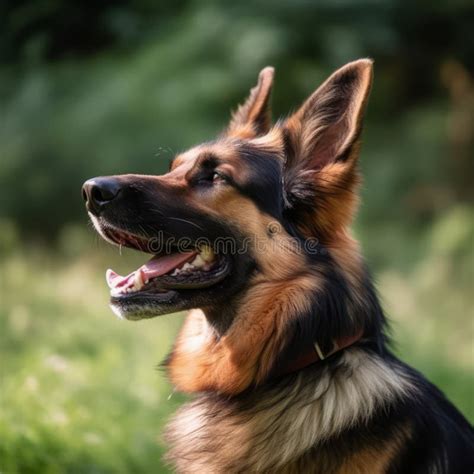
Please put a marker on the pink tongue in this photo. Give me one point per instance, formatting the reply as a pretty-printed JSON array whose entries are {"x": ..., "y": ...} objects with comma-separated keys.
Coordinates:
[{"x": 155, "y": 267}]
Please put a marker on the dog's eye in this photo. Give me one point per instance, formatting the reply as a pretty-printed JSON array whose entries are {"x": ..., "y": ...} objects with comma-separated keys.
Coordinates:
[
  {"x": 214, "y": 177},
  {"x": 218, "y": 177}
]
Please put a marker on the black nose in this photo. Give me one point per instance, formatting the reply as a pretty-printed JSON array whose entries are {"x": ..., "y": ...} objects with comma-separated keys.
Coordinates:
[{"x": 98, "y": 192}]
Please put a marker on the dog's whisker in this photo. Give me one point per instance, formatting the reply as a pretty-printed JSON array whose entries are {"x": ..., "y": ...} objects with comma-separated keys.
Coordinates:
[{"x": 186, "y": 221}]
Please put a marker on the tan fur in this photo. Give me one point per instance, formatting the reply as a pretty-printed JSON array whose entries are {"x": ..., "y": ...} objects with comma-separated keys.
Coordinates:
[
  {"x": 280, "y": 429},
  {"x": 345, "y": 251},
  {"x": 372, "y": 460},
  {"x": 376, "y": 459},
  {"x": 329, "y": 121},
  {"x": 271, "y": 140},
  {"x": 253, "y": 117},
  {"x": 202, "y": 361}
]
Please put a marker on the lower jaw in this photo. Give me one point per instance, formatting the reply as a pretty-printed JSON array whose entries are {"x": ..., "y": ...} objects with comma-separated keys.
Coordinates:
[
  {"x": 145, "y": 306},
  {"x": 159, "y": 300}
]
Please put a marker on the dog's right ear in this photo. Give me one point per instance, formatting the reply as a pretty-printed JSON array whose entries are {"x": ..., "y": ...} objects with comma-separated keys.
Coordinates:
[{"x": 253, "y": 117}]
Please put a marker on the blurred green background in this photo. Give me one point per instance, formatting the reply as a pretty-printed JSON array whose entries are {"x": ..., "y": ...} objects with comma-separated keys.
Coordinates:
[{"x": 90, "y": 88}]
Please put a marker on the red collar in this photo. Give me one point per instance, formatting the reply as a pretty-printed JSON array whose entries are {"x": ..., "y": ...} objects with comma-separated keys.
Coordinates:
[{"x": 314, "y": 354}]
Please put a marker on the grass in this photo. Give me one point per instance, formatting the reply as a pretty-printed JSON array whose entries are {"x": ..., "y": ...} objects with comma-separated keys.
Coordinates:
[{"x": 80, "y": 393}]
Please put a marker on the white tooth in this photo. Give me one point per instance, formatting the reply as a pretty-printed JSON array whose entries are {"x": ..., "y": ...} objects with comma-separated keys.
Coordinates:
[
  {"x": 207, "y": 253},
  {"x": 198, "y": 261},
  {"x": 176, "y": 272},
  {"x": 138, "y": 281}
]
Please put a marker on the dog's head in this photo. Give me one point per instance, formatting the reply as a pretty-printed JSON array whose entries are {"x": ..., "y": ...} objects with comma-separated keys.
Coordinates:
[{"x": 257, "y": 204}]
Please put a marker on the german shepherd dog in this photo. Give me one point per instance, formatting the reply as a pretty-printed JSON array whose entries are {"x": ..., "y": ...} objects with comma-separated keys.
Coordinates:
[{"x": 285, "y": 347}]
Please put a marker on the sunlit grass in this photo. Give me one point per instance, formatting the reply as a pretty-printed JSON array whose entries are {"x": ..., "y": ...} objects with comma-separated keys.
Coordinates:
[{"x": 80, "y": 392}]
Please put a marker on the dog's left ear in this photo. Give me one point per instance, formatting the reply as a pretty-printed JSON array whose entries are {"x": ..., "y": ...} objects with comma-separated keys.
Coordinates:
[
  {"x": 321, "y": 141},
  {"x": 253, "y": 117}
]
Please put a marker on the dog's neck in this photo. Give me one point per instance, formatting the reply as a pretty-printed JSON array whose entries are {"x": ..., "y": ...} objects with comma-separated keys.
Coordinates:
[
  {"x": 294, "y": 413},
  {"x": 220, "y": 317},
  {"x": 271, "y": 326}
]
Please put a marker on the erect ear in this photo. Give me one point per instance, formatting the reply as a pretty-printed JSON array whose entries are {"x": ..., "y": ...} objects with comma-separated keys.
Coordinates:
[
  {"x": 325, "y": 127},
  {"x": 322, "y": 146},
  {"x": 253, "y": 117}
]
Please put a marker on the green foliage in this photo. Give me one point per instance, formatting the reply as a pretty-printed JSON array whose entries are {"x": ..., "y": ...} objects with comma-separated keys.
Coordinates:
[{"x": 80, "y": 392}]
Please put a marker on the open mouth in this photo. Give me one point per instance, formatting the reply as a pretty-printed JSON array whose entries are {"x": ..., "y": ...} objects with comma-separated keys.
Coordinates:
[{"x": 190, "y": 269}]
